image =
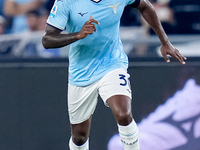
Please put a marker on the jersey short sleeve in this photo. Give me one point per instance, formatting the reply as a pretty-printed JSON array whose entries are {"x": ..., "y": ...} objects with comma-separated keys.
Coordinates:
[{"x": 59, "y": 14}]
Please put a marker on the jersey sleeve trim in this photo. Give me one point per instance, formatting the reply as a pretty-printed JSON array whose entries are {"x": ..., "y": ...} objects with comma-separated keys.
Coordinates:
[
  {"x": 135, "y": 3},
  {"x": 54, "y": 26}
]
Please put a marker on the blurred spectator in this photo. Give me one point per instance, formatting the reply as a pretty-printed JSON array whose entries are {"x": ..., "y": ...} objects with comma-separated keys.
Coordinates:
[
  {"x": 2, "y": 24},
  {"x": 163, "y": 10},
  {"x": 36, "y": 21},
  {"x": 43, "y": 20},
  {"x": 177, "y": 16},
  {"x": 32, "y": 24},
  {"x": 17, "y": 9},
  {"x": 1, "y": 7},
  {"x": 7, "y": 24},
  {"x": 32, "y": 20},
  {"x": 165, "y": 15},
  {"x": 6, "y": 45}
]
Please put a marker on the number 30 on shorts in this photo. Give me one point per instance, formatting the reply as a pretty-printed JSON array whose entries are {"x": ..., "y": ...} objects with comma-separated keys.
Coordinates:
[{"x": 124, "y": 81}]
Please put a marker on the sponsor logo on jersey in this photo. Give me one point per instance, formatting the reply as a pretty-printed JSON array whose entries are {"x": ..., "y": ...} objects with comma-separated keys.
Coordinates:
[
  {"x": 53, "y": 11},
  {"x": 114, "y": 7},
  {"x": 59, "y": 0},
  {"x": 82, "y": 14}
]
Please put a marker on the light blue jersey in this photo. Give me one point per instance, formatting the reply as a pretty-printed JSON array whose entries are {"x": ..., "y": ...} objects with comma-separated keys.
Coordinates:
[{"x": 97, "y": 54}]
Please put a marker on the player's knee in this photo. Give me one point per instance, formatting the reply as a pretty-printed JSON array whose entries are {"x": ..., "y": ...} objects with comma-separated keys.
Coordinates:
[
  {"x": 124, "y": 118},
  {"x": 79, "y": 139}
]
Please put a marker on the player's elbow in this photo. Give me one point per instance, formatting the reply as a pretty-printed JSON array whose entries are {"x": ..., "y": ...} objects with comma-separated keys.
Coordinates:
[{"x": 45, "y": 42}]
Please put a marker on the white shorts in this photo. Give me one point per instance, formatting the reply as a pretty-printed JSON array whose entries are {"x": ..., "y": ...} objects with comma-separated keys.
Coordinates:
[{"x": 82, "y": 101}]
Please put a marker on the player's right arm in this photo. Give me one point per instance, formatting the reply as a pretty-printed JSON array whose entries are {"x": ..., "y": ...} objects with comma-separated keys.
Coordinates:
[{"x": 53, "y": 38}]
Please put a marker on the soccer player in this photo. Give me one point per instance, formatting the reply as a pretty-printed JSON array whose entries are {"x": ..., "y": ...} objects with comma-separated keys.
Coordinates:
[{"x": 97, "y": 63}]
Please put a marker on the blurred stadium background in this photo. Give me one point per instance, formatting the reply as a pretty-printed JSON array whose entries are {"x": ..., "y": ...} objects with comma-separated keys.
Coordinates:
[{"x": 33, "y": 87}]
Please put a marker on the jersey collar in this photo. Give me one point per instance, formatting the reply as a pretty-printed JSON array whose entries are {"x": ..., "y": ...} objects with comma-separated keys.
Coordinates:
[{"x": 96, "y": 1}]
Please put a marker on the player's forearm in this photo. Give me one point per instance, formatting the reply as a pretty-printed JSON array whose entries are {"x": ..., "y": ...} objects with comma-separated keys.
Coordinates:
[
  {"x": 149, "y": 14},
  {"x": 60, "y": 40}
]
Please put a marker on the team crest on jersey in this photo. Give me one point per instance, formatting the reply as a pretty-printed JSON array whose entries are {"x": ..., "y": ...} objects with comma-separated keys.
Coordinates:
[
  {"x": 53, "y": 11},
  {"x": 114, "y": 7}
]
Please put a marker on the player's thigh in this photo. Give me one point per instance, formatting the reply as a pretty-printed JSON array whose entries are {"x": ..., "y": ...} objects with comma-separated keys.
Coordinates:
[
  {"x": 82, "y": 102},
  {"x": 114, "y": 83}
]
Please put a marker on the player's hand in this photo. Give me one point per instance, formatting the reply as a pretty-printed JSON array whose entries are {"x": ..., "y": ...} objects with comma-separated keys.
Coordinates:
[
  {"x": 88, "y": 28},
  {"x": 168, "y": 49}
]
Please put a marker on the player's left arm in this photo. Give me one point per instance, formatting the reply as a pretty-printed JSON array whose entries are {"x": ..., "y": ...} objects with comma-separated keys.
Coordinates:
[{"x": 148, "y": 12}]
